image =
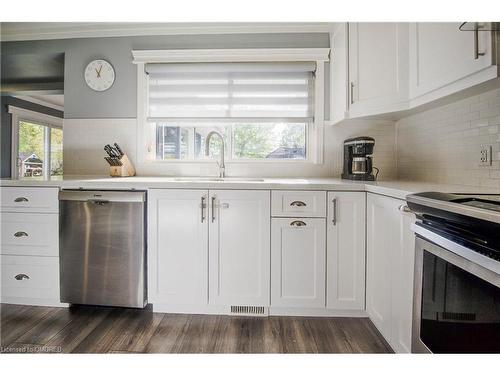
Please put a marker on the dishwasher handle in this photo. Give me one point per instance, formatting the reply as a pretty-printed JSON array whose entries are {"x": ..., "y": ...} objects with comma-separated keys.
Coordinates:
[{"x": 102, "y": 197}]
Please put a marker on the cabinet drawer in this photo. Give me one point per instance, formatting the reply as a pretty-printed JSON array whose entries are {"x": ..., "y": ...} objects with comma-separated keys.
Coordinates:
[
  {"x": 30, "y": 277},
  {"x": 25, "y": 199},
  {"x": 29, "y": 234},
  {"x": 299, "y": 203}
]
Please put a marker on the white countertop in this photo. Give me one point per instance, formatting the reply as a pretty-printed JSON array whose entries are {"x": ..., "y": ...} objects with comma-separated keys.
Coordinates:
[{"x": 396, "y": 189}]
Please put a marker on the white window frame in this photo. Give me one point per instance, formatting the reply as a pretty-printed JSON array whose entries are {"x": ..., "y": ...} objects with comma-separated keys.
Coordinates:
[
  {"x": 21, "y": 114},
  {"x": 315, "y": 138}
]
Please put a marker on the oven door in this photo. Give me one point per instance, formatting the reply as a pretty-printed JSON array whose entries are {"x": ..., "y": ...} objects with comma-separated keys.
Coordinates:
[{"x": 456, "y": 303}]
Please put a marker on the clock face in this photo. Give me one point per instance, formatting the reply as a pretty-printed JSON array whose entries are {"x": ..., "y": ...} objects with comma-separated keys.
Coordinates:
[{"x": 99, "y": 75}]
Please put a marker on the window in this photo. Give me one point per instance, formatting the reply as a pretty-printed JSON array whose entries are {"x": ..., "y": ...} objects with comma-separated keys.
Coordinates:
[
  {"x": 37, "y": 142},
  {"x": 265, "y": 111}
]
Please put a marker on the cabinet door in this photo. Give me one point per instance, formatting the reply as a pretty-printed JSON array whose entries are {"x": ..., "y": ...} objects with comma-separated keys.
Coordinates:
[
  {"x": 441, "y": 54},
  {"x": 346, "y": 250},
  {"x": 298, "y": 271},
  {"x": 239, "y": 251},
  {"x": 382, "y": 237},
  {"x": 178, "y": 247},
  {"x": 402, "y": 282},
  {"x": 378, "y": 67}
]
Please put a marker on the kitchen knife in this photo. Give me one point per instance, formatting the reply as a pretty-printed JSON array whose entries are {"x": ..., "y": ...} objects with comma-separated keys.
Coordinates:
[
  {"x": 111, "y": 151},
  {"x": 119, "y": 149},
  {"x": 109, "y": 160}
]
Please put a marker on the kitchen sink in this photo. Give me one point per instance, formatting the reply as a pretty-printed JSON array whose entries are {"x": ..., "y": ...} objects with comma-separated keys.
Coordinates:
[{"x": 217, "y": 179}]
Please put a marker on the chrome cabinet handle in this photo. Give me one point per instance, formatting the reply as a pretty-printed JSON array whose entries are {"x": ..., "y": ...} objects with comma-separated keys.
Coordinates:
[
  {"x": 334, "y": 211},
  {"x": 476, "y": 44},
  {"x": 21, "y": 199},
  {"x": 405, "y": 208},
  {"x": 298, "y": 204},
  {"x": 203, "y": 206},
  {"x": 297, "y": 223},
  {"x": 21, "y": 276},
  {"x": 352, "y": 93},
  {"x": 21, "y": 234},
  {"x": 213, "y": 208}
]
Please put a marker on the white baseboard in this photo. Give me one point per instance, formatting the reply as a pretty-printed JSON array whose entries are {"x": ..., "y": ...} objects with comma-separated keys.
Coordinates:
[
  {"x": 273, "y": 311},
  {"x": 293, "y": 311},
  {"x": 32, "y": 302}
]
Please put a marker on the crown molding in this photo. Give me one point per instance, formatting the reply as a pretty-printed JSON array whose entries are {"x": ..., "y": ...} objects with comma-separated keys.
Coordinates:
[
  {"x": 18, "y": 31},
  {"x": 230, "y": 55}
]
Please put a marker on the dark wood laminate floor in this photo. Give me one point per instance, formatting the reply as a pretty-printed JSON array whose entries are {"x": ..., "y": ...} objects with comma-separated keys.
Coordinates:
[{"x": 112, "y": 330}]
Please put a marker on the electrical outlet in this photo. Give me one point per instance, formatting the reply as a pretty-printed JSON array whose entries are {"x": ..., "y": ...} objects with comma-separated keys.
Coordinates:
[{"x": 485, "y": 156}]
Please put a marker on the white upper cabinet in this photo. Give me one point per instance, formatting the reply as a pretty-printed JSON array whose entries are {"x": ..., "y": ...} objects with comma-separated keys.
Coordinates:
[
  {"x": 378, "y": 67},
  {"x": 346, "y": 250},
  {"x": 239, "y": 247},
  {"x": 178, "y": 247},
  {"x": 444, "y": 60},
  {"x": 298, "y": 253}
]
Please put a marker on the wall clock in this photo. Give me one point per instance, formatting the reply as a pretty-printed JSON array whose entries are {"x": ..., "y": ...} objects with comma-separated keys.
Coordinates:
[{"x": 99, "y": 75}]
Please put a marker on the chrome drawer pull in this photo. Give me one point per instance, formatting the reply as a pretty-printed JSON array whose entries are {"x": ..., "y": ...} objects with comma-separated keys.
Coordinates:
[
  {"x": 21, "y": 199},
  {"x": 21, "y": 276},
  {"x": 20, "y": 234},
  {"x": 298, "y": 204},
  {"x": 297, "y": 223}
]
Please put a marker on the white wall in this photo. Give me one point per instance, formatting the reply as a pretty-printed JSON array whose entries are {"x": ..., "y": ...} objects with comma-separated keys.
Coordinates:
[
  {"x": 84, "y": 140},
  {"x": 442, "y": 145}
]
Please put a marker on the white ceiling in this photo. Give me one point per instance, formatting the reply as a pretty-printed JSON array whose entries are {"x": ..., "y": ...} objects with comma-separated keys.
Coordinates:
[{"x": 11, "y": 31}]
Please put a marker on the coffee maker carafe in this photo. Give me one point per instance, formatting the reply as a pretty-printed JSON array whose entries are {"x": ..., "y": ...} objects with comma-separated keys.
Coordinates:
[{"x": 358, "y": 163}]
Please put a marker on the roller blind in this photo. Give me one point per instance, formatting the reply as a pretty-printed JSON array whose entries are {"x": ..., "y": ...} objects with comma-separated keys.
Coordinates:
[{"x": 231, "y": 90}]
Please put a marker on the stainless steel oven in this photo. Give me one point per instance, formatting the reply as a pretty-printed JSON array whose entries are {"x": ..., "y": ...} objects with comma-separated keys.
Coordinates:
[{"x": 457, "y": 275}]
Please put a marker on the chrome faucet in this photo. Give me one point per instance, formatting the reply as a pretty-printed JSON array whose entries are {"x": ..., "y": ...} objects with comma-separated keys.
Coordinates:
[{"x": 221, "y": 165}]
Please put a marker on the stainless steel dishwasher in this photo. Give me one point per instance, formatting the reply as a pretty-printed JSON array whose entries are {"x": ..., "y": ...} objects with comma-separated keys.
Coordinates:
[{"x": 102, "y": 247}]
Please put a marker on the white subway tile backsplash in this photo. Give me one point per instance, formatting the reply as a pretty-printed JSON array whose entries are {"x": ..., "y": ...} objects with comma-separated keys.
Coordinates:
[
  {"x": 84, "y": 140},
  {"x": 442, "y": 144}
]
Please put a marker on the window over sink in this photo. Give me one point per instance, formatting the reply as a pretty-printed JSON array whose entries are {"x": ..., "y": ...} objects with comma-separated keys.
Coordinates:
[{"x": 265, "y": 110}]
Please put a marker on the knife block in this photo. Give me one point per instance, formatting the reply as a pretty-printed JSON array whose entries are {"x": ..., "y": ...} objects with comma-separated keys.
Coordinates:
[{"x": 124, "y": 170}]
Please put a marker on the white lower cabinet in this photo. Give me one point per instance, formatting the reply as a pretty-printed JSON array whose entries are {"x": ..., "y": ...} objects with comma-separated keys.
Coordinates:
[
  {"x": 29, "y": 246},
  {"x": 30, "y": 280},
  {"x": 346, "y": 250},
  {"x": 298, "y": 258},
  {"x": 178, "y": 247},
  {"x": 208, "y": 248},
  {"x": 239, "y": 247},
  {"x": 390, "y": 257}
]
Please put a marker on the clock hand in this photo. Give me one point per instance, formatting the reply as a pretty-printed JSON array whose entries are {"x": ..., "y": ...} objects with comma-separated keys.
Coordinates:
[{"x": 98, "y": 73}]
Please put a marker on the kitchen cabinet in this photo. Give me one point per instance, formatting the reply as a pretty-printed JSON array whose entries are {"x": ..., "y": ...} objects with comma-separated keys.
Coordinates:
[
  {"x": 178, "y": 247},
  {"x": 239, "y": 247},
  {"x": 390, "y": 253},
  {"x": 208, "y": 247},
  {"x": 378, "y": 67},
  {"x": 444, "y": 60},
  {"x": 298, "y": 269},
  {"x": 29, "y": 251},
  {"x": 346, "y": 250}
]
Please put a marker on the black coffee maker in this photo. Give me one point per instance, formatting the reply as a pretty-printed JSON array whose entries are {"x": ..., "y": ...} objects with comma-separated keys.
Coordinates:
[{"x": 358, "y": 164}]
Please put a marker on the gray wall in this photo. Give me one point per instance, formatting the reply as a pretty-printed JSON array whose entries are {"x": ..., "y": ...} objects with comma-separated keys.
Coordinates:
[
  {"x": 120, "y": 100},
  {"x": 6, "y": 127}
]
